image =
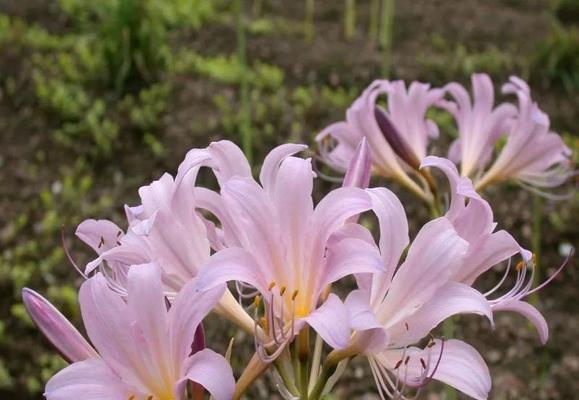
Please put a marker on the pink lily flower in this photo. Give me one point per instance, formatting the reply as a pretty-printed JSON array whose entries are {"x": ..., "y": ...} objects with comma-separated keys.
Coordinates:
[
  {"x": 56, "y": 328},
  {"x": 480, "y": 124},
  {"x": 276, "y": 242},
  {"x": 394, "y": 310},
  {"x": 144, "y": 349},
  {"x": 533, "y": 154},
  {"x": 474, "y": 222},
  {"x": 165, "y": 229},
  {"x": 398, "y": 137}
]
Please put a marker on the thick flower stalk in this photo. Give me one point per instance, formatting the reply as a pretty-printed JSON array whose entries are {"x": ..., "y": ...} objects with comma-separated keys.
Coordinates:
[{"x": 143, "y": 351}]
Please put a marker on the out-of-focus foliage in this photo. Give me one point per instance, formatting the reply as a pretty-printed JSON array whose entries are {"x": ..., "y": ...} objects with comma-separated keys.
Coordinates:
[{"x": 558, "y": 57}]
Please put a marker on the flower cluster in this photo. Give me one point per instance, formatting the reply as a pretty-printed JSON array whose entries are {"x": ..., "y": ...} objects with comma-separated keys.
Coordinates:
[{"x": 151, "y": 285}]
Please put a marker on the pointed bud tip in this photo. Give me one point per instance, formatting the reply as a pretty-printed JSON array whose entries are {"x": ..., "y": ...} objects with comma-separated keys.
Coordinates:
[{"x": 359, "y": 171}]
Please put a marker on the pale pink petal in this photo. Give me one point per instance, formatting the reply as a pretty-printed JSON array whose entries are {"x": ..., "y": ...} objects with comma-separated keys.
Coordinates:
[
  {"x": 433, "y": 257},
  {"x": 190, "y": 307},
  {"x": 101, "y": 235},
  {"x": 337, "y": 144},
  {"x": 213, "y": 372},
  {"x": 529, "y": 312},
  {"x": 89, "y": 380},
  {"x": 233, "y": 264},
  {"x": 370, "y": 336},
  {"x": 350, "y": 256},
  {"x": 272, "y": 162},
  {"x": 56, "y": 328},
  {"x": 228, "y": 161},
  {"x": 485, "y": 254},
  {"x": 454, "y": 179},
  {"x": 330, "y": 321},
  {"x": 393, "y": 237},
  {"x": 460, "y": 366},
  {"x": 453, "y": 298},
  {"x": 257, "y": 222},
  {"x": 292, "y": 198},
  {"x": 148, "y": 310},
  {"x": 105, "y": 317},
  {"x": 332, "y": 212}
]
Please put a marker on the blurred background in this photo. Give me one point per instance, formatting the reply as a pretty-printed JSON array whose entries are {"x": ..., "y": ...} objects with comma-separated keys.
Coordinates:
[{"x": 100, "y": 97}]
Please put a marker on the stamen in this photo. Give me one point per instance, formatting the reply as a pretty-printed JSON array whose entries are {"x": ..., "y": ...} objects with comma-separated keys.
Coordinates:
[
  {"x": 295, "y": 294},
  {"x": 67, "y": 253},
  {"x": 257, "y": 301},
  {"x": 423, "y": 363},
  {"x": 271, "y": 285},
  {"x": 102, "y": 242},
  {"x": 282, "y": 290},
  {"x": 398, "y": 364}
]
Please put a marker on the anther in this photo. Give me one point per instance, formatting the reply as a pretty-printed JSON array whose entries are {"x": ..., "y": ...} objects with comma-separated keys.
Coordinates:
[
  {"x": 102, "y": 242},
  {"x": 271, "y": 285},
  {"x": 406, "y": 325},
  {"x": 119, "y": 233},
  {"x": 257, "y": 301},
  {"x": 423, "y": 363},
  {"x": 520, "y": 266},
  {"x": 406, "y": 360},
  {"x": 398, "y": 364},
  {"x": 282, "y": 290},
  {"x": 295, "y": 294}
]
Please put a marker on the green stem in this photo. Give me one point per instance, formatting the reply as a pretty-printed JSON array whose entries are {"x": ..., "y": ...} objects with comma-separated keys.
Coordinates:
[
  {"x": 303, "y": 350},
  {"x": 316, "y": 361},
  {"x": 374, "y": 14},
  {"x": 327, "y": 372},
  {"x": 309, "y": 20},
  {"x": 350, "y": 19},
  {"x": 386, "y": 35},
  {"x": 245, "y": 113},
  {"x": 536, "y": 242}
]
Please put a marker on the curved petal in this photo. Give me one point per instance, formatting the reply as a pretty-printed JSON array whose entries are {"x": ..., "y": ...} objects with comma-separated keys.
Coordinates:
[
  {"x": 101, "y": 235},
  {"x": 370, "y": 336},
  {"x": 190, "y": 307},
  {"x": 91, "y": 379},
  {"x": 213, "y": 372},
  {"x": 351, "y": 256},
  {"x": 453, "y": 298},
  {"x": 433, "y": 257},
  {"x": 105, "y": 317},
  {"x": 488, "y": 252},
  {"x": 148, "y": 312},
  {"x": 232, "y": 264},
  {"x": 331, "y": 322},
  {"x": 257, "y": 223},
  {"x": 393, "y": 237},
  {"x": 529, "y": 312},
  {"x": 292, "y": 197},
  {"x": 460, "y": 366},
  {"x": 272, "y": 162},
  {"x": 332, "y": 212},
  {"x": 229, "y": 161}
]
